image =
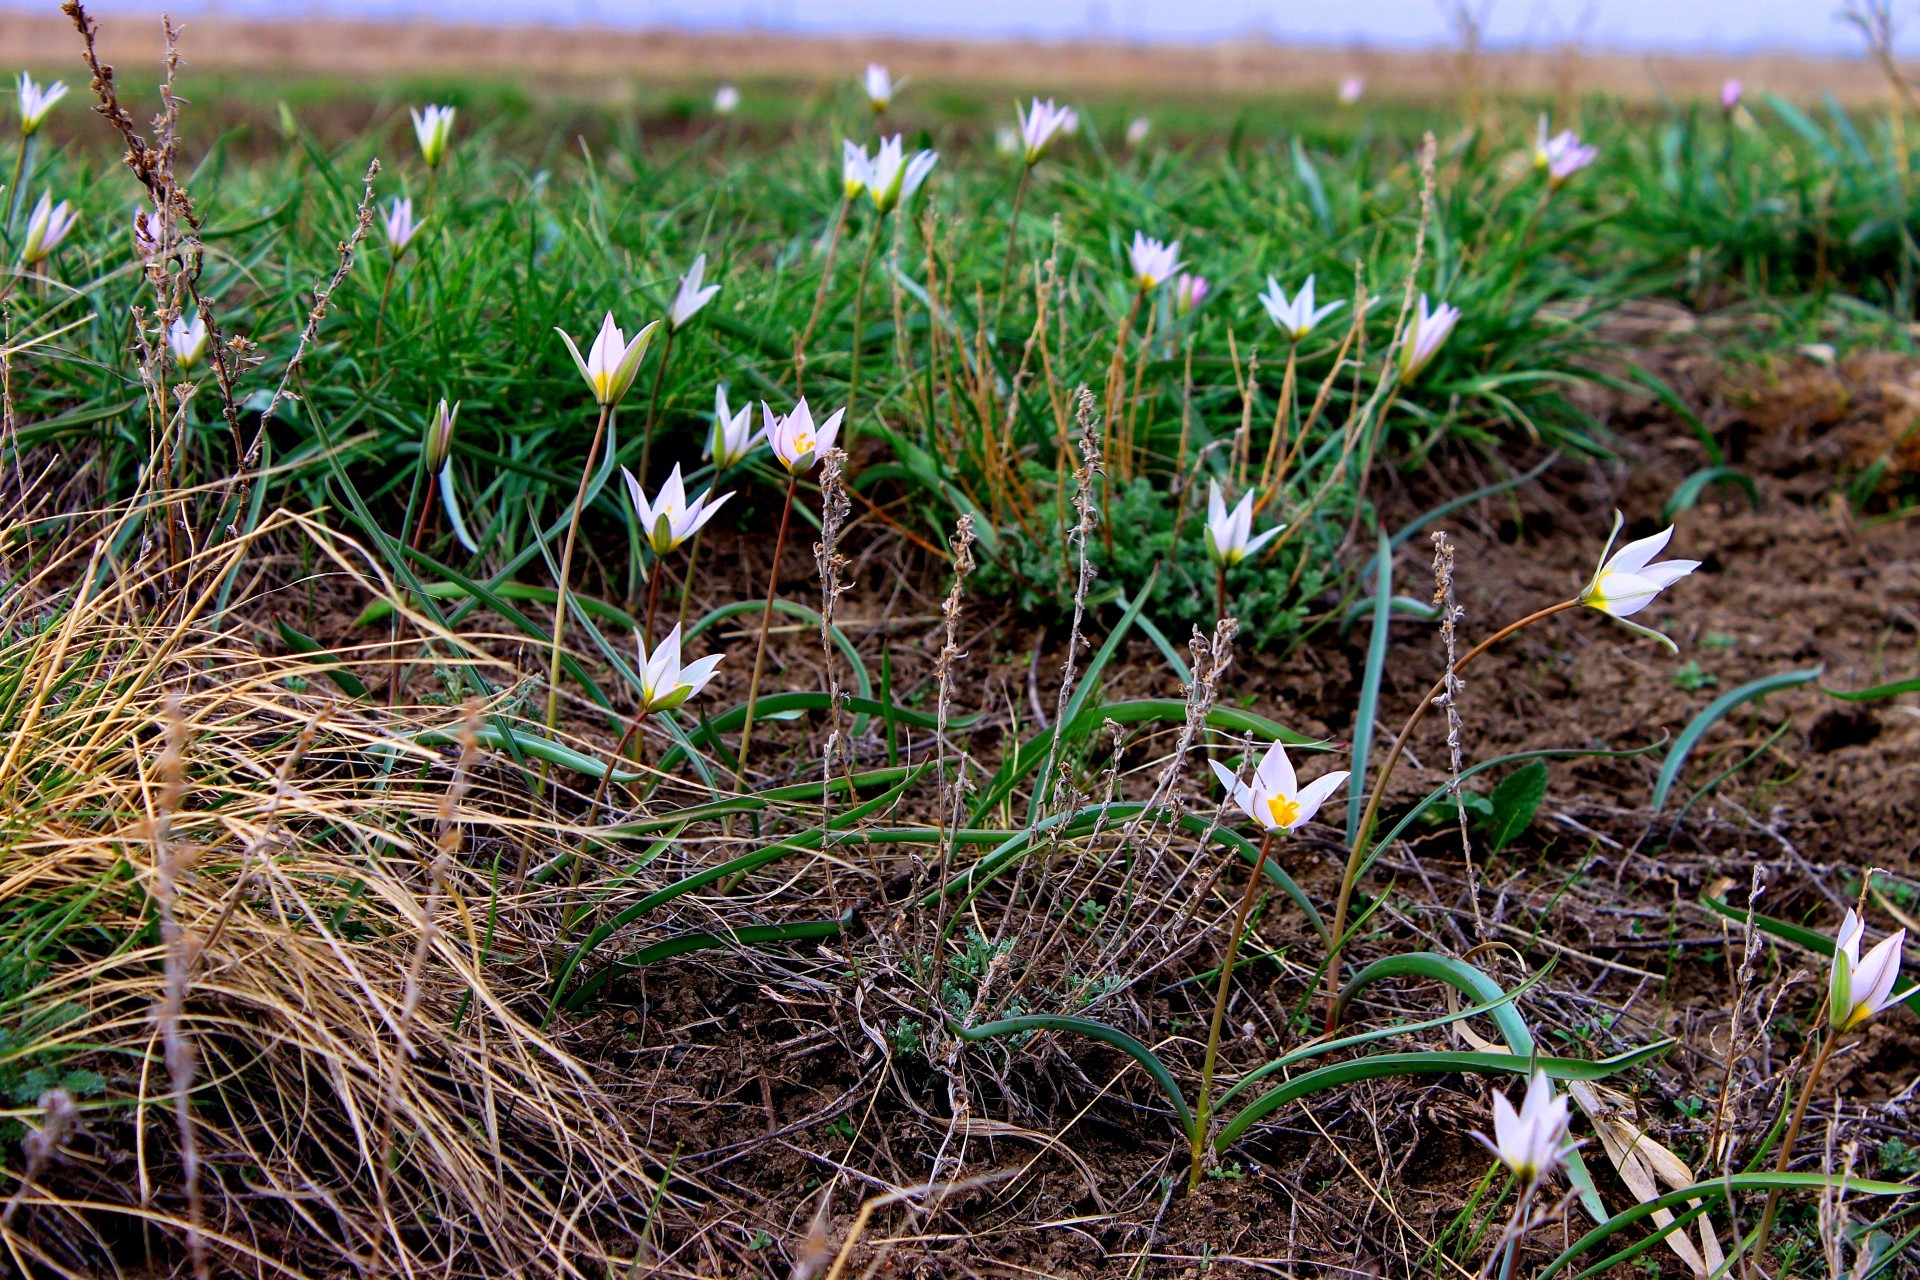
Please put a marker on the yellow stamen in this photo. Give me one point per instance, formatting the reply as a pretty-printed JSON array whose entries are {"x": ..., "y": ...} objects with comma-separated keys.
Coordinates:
[{"x": 1283, "y": 810}]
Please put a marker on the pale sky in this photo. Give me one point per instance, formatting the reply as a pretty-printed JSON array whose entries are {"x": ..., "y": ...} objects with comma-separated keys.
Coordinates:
[{"x": 1717, "y": 25}]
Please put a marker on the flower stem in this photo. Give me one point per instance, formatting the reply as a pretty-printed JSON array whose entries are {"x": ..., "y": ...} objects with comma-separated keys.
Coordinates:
[
  {"x": 13, "y": 188},
  {"x": 1013, "y": 240},
  {"x": 766, "y": 621},
  {"x": 380, "y": 316},
  {"x": 1792, "y": 1136},
  {"x": 819, "y": 296},
  {"x": 1203, "y": 1111},
  {"x": 859, "y": 319},
  {"x": 566, "y": 569},
  {"x": 1364, "y": 830},
  {"x": 653, "y": 408},
  {"x": 1219, "y": 591}
]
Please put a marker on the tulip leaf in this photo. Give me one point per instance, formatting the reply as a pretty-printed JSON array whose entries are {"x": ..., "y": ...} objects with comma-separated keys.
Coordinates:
[
  {"x": 1089, "y": 681},
  {"x": 1697, "y": 728},
  {"x": 1096, "y": 1031},
  {"x": 1369, "y": 709},
  {"x": 379, "y": 609},
  {"x": 336, "y": 671},
  {"x": 1690, "y": 490},
  {"x": 1878, "y": 693},
  {"x": 668, "y": 948}
]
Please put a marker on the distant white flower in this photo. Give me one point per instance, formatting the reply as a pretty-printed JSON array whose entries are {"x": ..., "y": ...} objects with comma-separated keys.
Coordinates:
[
  {"x": 853, "y": 168},
  {"x": 433, "y": 128},
  {"x": 879, "y": 87},
  {"x": 1562, "y": 155},
  {"x": 1730, "y": 94},
  {"x": 670, "y": 519},
  {"x": 794, "y": 438},
  {"x": 1006, "y": 140},
  {"x": 36, "y": 101},
  {"x": 726, "y": 100},
  {"x": 1425, "y": 337},
  {"x": 1350, "y": 90},
  {"x": 612, "y": 361},
  {"x": 188, "y": 338},
  {"x": 1138, "y": 130},
  {"x": 1857, "y": 989},
  {"x": 1276, "y": 800},
  {"x": 890, "y": 177},
  {"x": 733, "y": 435},
  {"x": 1299, "y": 317},
  {"x": 401, "y": 228},
  {"x": 1189, "y": 291},
  {"x": 1152, "y": 261},
  {"x": 691, "y": 298},
  {"x": 47, "y": 226},
  {"x": 1040, "y": 123},
  {"x": 1627, "y": 581},
  {"x": 664, "y": 683},
  {"x": 1230, "y": 533},
  {"x": 438, "y": 445},
  {"x": 1532, "y": 1141}
]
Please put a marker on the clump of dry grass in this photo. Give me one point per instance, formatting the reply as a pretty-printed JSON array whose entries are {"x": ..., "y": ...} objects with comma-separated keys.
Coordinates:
[{"x": 357, "y": 1087}]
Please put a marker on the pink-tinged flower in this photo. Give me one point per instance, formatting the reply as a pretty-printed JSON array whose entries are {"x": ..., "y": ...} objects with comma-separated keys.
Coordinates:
[
  {"x": 890, "y": 177},
  {"x": 1350, "y": 90},
  {"x": 795, "y": 440},
  {"x": 1153, "y": 262},
  {"x": 401, "y": 228},
  {"x": 1857, "y": 989},
  {"x": 726, "y": 100},
  {"x": 1189, "y": 291},
  {"x": 1562, "y": 155},
  {"x": 1138, "y": 130},
  {"x": 1730, "y": 94},
  {"x": 1276, "y": 800},
  {"x": 146, "y": 234},
  {"x": 612, "y": 361},
  {"x": 733, "y": 435},
  {"x": 670, "y": 519},
  {"x": 1040, "y": 124},
  {"x": 47, "y": 226},
  {"x": 1532, "y": 1141},
  {"x": 188, "y": 339},
  {"x": 1425, "y": 337},
  {"x": 438, "y": 444},
  {"x": 853, "y": 168},
  {"x": 36, "y": 101},
  {"x": 691, "y": 297},
  {"x": 1299, "y": 317},
  {"x": 664, "y": 683}
]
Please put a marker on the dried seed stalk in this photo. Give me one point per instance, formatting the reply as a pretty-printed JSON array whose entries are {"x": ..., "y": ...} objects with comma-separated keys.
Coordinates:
[
  {"x": 171, "y": 862},
  {"x": 1451, "y": 685}
]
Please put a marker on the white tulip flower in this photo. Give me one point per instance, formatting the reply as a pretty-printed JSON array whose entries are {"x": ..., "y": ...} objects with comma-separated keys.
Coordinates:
[
  {"x": 1152, "y": 261},
  {"x": 794, "y": 438},
  {"x": 1040, "y": 123},
  {"x": 612, "y": 361},
  {"x": 664, "y": 683},
  {"x": 890, "y": 177},
  {"x": 879, "y": 86},
  {"x": 1299, "y": 317},
  {"x": 1189, "y": 291},
  {"x": 47, "y": 226},
  {"x": 1857, "y": 989},
  {"x": 188, "y": 338},
  {"x": 1350, "y": 90},
  {"x": 1627, "y": 580},
  {"x": 401, "y": 228},
  {"x": 853, "y": 168},
  {"x": 1276, "y": 800},
  {"x": 726, "y": 100},
  {"x": 733, "y": 435},
  {"x": 433, "y": 129},
  {"x": 670, "y": 519},
  {"x": 1138, "y": 130},
  {"x": 691, "y": 298},
  {"x": 438, "y": 445},
  {"x": 1532, "y": 1141},
  {"x": 36, "y": 101},
  {"x": 1230, "y": 533},
  {"x": 1426, "y": 336}
]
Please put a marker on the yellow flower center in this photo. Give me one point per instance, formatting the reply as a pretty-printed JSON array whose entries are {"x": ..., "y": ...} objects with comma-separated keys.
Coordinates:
[
  {"x": 1283, "y": 811},
  {"x": 802, "y": 443}
]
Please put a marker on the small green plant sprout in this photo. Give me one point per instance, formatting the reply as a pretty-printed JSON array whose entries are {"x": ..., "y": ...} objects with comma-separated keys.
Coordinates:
[
  {"x": 1277, "y": 803},
  {"x": 733, "y": 436},
  {"x": 433, "y": 130},
  {"x": 1561, "y": 155},
  {"x": 47, "y": 226},
  {"x": 693, "y": 296},
  {"x": 1691, "y": 678},
  {"x": 1298, "y": 317},
  {"x": 1628, "y": 580},
  {"x": 1425, "y": 336},
  {"x": 36, "y": 101},
  {"x": 187, "y": 339},
  {"x": 401, "y": 225}
]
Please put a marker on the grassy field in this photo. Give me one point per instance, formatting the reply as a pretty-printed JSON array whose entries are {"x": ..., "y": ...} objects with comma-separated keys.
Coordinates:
[{"x": 380, "y": 897}]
